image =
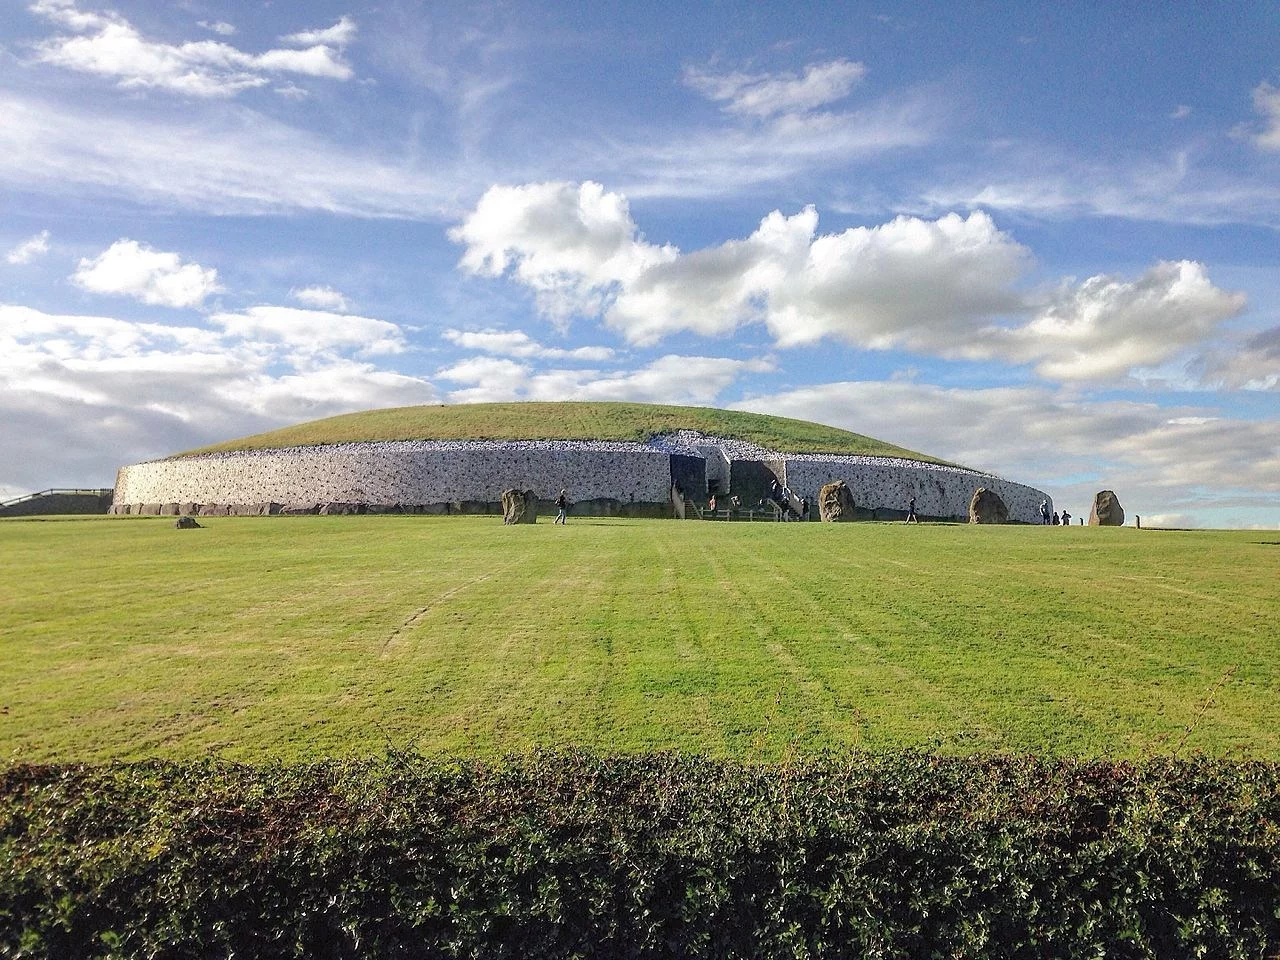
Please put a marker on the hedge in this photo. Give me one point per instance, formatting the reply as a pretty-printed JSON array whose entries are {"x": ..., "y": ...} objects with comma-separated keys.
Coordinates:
[{"x": 568, "y": 855}]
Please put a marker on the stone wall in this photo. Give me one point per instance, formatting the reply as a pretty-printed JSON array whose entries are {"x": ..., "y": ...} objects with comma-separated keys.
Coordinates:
[
  {"x": 888, "y": 485},
  {"x": 407, "y": 472},
  {"x": 610, "y": 479}
]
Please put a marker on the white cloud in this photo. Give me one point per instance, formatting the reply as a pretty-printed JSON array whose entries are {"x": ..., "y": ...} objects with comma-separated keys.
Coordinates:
[
  {"x": 220, "y": 27},
  {"x": 1266, "y": 100},
  {"x": 1106, "y": 326},
  {"x": 571, "y": 244},
  {"x": 1158, "y": 460},
  {"x": 218, "y": 161},
  {"x": 669, "y": 379},
  {"x": 313, "y": 331},
  {"x": 128, "y": 268},
  {"x": 322, "y": 298},
  {"x": 1251, "y": 363},
  {"x": 82, "y": 395},
  {"x": 65, "y": 13},
  {"x": 947, "y": 287},
  {"x": 339, "y": 35},
  {"x": 292, "y": 91},
  {"x": 108, "y": 45},
  {"x": 28, "y": 250},
  {"x": 1180, "y": 112},
  {"x": 767, "y": 94},
  {"x": 924, "y": 284},
  {"x": 517, "y": 343},
  {"x": 1170, "y": 521}
]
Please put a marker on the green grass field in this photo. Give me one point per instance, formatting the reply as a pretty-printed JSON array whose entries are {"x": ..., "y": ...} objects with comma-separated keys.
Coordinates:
[
  {"x": 567, "y": 421},
  {"x": 293, "y": 638}
]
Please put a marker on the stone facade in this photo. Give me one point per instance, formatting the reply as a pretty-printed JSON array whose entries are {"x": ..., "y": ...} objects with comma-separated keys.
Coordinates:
[
  {"x": 602, "y": 478},
  {"x": 886, "y": 486},
  {"x": 407, "y": 472}
]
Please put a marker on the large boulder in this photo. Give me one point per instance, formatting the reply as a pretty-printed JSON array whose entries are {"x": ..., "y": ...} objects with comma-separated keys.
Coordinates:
[
  {"x": 187, "y": 522},
  {"x": 987, "y": 507},
  {"x": 1106, "y": 510},
  {"x": 835, "y": 503},
  {"x": 519, "y": 506}
]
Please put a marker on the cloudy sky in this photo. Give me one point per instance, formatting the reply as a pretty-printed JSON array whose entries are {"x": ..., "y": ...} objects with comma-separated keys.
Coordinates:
[{"x": 1041, "y": 241}]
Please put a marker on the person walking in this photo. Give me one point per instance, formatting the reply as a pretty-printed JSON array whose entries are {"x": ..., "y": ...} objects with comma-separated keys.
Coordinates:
[
  {"x": 911, "y": 511},
  {"x": 562, "y": 507}
]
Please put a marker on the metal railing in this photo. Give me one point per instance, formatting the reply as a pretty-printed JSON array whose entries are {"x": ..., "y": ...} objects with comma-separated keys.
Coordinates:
[{"x": 97, "y": 492}]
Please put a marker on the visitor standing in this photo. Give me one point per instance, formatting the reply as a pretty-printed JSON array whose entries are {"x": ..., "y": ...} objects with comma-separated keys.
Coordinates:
[
  {"x": 804, "y": 508},
  {"x": 1066, "y": 518},
  {"x": 562, "y": 506},
  {"x": 911, "y": 511},
  {"x": 1044, "y": 511}
]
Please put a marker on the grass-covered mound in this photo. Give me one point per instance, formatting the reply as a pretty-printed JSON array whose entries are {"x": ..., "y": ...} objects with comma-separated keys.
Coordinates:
[
  {"x": 566, "y": 421},
  {"x": 560, "y": 856}
]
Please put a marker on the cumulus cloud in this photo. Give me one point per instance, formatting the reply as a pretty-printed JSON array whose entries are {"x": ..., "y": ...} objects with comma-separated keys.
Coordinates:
[
  {"x": 1266, "y": 100},
  {"x": 313, "y": 331},
  {"x": 572, "y": 244},
  {"x": 517, "y": 343},
  {"x": 107, "y": 45},
  {"x": 128, "y": 268},
  {"x": 918, "y": 283},
  {"x": 947, "y": 287},
  {"x": 669, "y": 379},
  {"x": 82, "y": 395},
  {"x": 1105, "y": 326},
  {"x": 766, "y": 94},
  {"x": 1159, "y": 460},
  {"x": 322, "y": 298},
  {"x": 29, "y": 250}
]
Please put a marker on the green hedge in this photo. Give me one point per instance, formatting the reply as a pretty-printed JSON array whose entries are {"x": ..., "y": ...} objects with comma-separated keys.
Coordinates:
[{"x": 656, "y": 856}]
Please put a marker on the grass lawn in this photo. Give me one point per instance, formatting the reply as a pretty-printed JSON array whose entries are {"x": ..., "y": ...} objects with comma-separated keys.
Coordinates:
[{"x": 293, "y": 638}]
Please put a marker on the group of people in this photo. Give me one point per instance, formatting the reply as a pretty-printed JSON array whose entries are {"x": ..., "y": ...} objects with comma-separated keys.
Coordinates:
[
  {"x": 783, "y": 496},
  {"x": 1052, "y": 517}
]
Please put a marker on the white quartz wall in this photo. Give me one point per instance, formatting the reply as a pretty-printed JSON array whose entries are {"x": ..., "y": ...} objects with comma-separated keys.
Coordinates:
[
  {"x": 939, "y": 491},
  {"x": 406, "y": 472},
  {"x": 436, "y": 472}
]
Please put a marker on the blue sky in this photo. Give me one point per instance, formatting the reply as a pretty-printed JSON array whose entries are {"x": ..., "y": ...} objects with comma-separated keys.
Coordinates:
[{"x": 1036, "y": 239}]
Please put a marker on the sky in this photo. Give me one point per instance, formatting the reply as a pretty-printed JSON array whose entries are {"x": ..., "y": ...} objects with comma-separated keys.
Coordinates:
[{"x": 1036, "y": 239}]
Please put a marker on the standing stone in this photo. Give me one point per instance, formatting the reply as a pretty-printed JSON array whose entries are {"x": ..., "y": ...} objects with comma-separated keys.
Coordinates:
[
  {"x": 987, "y": 507},
  {"x": 835, "y": 503},
  {"x": 1106, "y": 510},
  {"x": 519, "y": 506},
  {"x": 187, "y": 522}
]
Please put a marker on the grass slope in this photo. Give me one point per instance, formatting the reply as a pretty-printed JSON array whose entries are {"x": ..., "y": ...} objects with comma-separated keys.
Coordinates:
[
  {"x": 566, "y": 421},
  {"x": 292, "y": 638}
]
